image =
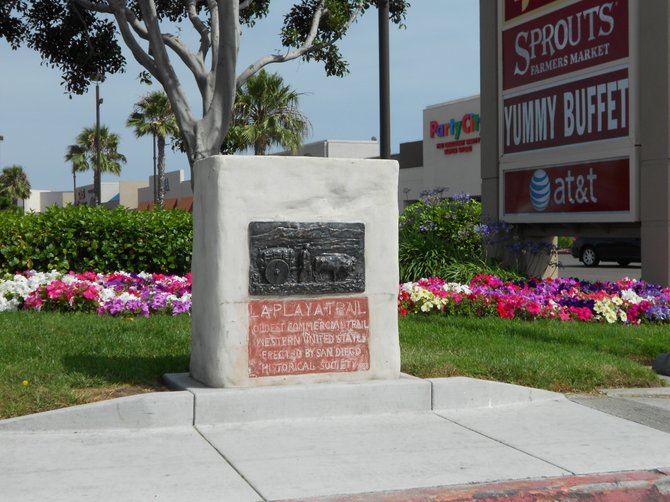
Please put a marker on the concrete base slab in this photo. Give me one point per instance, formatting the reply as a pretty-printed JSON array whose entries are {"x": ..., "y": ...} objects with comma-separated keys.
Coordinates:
[
  {"x": 570, "y": 436},
  {"x": 466, "y": 393},
  {"x": 314, "y": 458},
  {"x": 216, "y": 406},
  {"x": 168, "y": 465}
]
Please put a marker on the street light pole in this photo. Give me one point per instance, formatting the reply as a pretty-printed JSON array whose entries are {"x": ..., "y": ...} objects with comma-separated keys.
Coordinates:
[
  {"x": 384, "y": 81},
  {"x": 155, "y": 180},
  {"x": 96, "y": 175}
]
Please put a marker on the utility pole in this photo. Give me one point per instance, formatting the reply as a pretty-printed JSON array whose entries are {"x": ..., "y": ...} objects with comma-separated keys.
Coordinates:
[
  {"x": 97, "y": 187},
  {"x": 384, "y": 81}
]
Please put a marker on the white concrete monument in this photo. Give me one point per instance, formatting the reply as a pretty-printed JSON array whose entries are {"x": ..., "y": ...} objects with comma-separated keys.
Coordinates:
[{"x": 295, "y": 274}]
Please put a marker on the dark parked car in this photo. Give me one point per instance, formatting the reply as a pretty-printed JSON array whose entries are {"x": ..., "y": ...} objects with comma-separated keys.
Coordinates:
[{"x": 593, "y": 250}]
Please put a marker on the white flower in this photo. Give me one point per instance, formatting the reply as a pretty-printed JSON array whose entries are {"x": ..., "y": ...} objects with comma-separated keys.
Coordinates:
[
  {"x": 458, "y": 288},
  {"x": 630, "y": 296},
  {"x": 8, "y": 305}
]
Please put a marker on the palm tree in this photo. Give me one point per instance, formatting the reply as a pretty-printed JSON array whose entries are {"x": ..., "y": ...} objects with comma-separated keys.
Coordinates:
[
  {"x": 153, "y": 115},
  {"x": 266, "y": 113},
  {"x": 77, "y": 155},
  {"x": 14, "y": 185},
  {"x": 83, "y": 156}
]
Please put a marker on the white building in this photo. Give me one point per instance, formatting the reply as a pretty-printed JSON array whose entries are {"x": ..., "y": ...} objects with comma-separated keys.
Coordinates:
[
  {"x": 112, "y": 193},
  {"x": 178, "y": 192},
  {"x": 344, "y": 149},
  {"x": 40, "y": 200},
  {"x": 449, "y": 156}
]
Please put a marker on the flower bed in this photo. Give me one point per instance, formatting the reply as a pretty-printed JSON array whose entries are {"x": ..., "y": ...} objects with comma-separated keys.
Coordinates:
[
  {"x": 117, "y": 294},
  {"x": 122, "y": 294},
  {"x": 626, "y": 301}
]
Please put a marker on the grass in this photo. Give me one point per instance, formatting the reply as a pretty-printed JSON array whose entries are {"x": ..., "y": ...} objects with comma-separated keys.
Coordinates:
[
  {"x": 53, "y": 360},
  {"x": 50, "y": 360},
  {"x": 559, "y": 356}
]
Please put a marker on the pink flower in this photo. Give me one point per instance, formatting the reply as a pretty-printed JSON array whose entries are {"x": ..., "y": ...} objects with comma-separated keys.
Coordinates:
[
  {"x": 564, "y": 316},
  {"x": 33, "y": 301},
  {"x": 534, "y": 308},
  {"x": 90, "y": 293}
]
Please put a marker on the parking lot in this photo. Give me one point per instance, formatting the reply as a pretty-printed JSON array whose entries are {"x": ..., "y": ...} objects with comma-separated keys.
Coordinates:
[{"x": 606, "y": 271}]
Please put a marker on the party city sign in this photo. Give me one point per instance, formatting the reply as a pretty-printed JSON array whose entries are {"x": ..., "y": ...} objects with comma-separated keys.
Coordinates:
[{"x": 458, "y": 136}]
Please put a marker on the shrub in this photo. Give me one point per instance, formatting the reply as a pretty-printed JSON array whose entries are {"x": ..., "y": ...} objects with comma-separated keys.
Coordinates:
[
  {"x": 565, "y": 242},
  {"x": 437, "y": 236},
  {"x": 81, "y": 238}
]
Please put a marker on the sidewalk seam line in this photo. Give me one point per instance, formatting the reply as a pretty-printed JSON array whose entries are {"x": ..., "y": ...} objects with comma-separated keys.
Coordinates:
[
  {"x": 194, "y": 399},
  {"x": 232, "y": 466},
  {"x": 505, "y": 444}
]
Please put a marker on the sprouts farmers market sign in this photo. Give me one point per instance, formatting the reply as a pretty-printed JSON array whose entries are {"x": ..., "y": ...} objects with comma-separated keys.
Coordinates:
[
  {"x": 576, "y": 37},
  {"x": 516, "y": 8},
  {"x": 566, "y": 123},
  {"x": 456, "y": 136}
]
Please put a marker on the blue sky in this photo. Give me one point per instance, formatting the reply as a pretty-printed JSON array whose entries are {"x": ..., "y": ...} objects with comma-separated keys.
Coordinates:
[{"x": 435, "y": 59}]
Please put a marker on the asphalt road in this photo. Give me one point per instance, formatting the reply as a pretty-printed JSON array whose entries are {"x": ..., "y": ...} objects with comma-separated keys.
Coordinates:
[{"x": 606, "y": 271}]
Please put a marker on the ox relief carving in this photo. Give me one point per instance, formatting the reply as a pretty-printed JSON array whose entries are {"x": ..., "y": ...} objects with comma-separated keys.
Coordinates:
[{"x": 293, "y": 258}]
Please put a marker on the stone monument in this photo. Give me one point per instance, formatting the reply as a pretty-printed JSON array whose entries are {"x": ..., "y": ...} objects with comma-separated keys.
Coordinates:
[{"x": 295, "y": 273}]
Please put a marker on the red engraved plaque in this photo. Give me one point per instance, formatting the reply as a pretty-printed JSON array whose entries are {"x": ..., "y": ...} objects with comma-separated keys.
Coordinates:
[{"x": 295, "y": 337}]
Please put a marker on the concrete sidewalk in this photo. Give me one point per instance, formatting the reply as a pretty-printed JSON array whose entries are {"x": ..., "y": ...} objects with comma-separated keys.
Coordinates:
[{"x": 408, "y": 439}]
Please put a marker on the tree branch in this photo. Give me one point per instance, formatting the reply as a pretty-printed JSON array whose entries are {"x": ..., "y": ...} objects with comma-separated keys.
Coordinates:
[
  {"x": 211, "y": 130},
  {"x": 167, "y": 76},
  {"x": 215, "y": 32},
  {"x": 200, "y": 27},
  {"x": 307, "y": 46},
  {"x": 118, "y": 10},
  {"x": 192, "y": 62},
  {"x": 97, "y": 7}
]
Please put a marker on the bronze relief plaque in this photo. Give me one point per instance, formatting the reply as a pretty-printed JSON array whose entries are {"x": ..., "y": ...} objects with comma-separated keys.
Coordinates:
[{"x": 297, "y": 258}]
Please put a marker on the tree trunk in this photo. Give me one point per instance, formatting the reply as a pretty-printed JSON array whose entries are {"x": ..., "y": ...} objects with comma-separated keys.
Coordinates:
[
  {"x": 74, "y": 187},
  {"x": 160, "y": 170},
  {"x": 96, "y": 186}
]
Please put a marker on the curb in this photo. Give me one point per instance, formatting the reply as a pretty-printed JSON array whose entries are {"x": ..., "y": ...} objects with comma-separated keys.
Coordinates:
[
  {"x": 141, "y": 411},
  {"x": 643, "y": 486},
  {"x": 190, "y": 403}
]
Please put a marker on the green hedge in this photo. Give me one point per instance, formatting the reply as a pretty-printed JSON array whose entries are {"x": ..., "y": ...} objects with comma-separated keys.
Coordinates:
[{"x": 96, "y": 239}]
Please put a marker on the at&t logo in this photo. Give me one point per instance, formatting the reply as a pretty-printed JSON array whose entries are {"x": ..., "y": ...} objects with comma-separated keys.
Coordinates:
[
  {"x": 540, "y": 190},
  {"x": 563, "y": 190}
]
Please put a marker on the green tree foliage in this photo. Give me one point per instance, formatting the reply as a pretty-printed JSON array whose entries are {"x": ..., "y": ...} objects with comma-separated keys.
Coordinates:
[
  {"x": 82, "y": 154},
  {"x": 14, "y": 185},
  {"x": 96, "y": 239},
  {"x": 153, "y": 115},
  {"x": 82, "y": 39},
  {"x": 266, "y": 113}
]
